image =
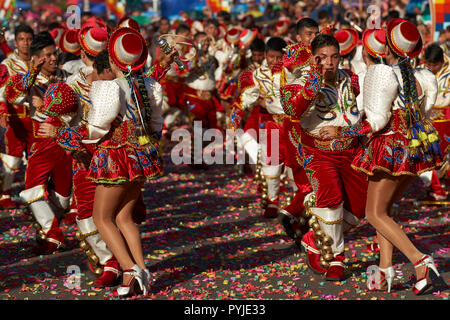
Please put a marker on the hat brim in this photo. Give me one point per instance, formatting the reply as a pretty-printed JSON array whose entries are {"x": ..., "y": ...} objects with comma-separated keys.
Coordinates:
[
  {"x": 83, "y": 44},
  {"x": 411, "y": 54},
  {"x": 365, "y": 37},
  {"x": 112, "y": 40},
  {"x": 355, "y": 38},
  {"x": 62, "y": 47}
]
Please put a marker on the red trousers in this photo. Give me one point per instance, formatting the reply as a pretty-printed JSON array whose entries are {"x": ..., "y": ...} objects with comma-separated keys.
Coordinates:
[
  {"x": 334, "y": 180},
  {"x": 19, "y": 136},
  {"x": 47, "y": 160}
]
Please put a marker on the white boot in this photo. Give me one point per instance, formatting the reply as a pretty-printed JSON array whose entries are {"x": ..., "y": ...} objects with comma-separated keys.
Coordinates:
[
  {"x": 331, "y": 221},
  {"x": 90, "y": 234},
  {"x": 272, "y": 176}
]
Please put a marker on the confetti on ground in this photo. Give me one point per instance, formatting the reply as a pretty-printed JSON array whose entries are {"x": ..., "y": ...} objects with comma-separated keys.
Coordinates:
[{"x": 205, "y": 238}]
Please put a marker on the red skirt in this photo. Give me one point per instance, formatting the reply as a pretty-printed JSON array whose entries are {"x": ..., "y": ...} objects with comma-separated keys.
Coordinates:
[
  {"x": 124, "y": 164},
  {"x": 389, "y": 153}
]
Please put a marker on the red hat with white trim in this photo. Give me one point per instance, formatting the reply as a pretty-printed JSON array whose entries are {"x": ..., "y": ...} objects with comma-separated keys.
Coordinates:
[
  {"x": 374, "y": 41},
  {"x": 56, "y": 34},
  {"x": 93, "y": 40},
  {"x": 127, "y": 47},
  {"x": 404, "y": 38},
  {"x": 282, "y": 26},
  {"x": 233, "y": 36},
  {"x": 247, "y": 36},
  {"x": 69, "y": 41},
  {"x": 247, "y": 21},
  {"x": 348, "y": 39},
  {"x": 222, "y": 30},
  {"x": 127, "y": 22}
]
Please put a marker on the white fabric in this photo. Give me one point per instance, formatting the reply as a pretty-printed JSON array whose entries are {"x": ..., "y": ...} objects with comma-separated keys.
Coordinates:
[
  {"x": 325, "y": 106},
  {"x": 10, "y": 161},
  {"x": 95, "y": 241},
  {"x": 40, "y": 208},
  {"x": 377, "y": 107},
  {"x": 251, "y": 146},
  {"x": 426, "y": 178},
  {"x": 106, "y": 105},
  {"x": 272, "y": 175},
  {"x": 73, "y": 66},
  {"x": 327, "y": 218}
]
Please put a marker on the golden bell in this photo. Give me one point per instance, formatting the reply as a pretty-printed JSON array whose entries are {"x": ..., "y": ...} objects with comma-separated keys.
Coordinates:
[
  {"x": 319, "y": 234},
  {"x": 264, "y": 196},
  {"x": 78, "y": 235},
  {"x": 328, "y": 256},
  {"x": 37, "y": 226},
  {"x": 307, "y": 214},
  {"x": 326, "y": 248},
  {"x": 301, "y": 221},
  {"x": 43, "y": 236},
  {"x": 41, "y": 232},
  {"x": 318, "y": 244},
  {"x": 311, "y": 221},
  {"x": 83, "y": 245},
  {"x": 327, "y": 240},
  {"x": 89, "y": 252},
  {"x": 94, "y": 259},
  {"x": 98, "y": 271},
  {"x": 315, "y": 226}
]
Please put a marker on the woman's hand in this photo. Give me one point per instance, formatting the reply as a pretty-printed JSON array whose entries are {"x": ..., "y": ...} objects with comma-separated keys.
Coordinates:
[
  {"x": 47, "y": 130},
  {"x": 328, "y": 132}
]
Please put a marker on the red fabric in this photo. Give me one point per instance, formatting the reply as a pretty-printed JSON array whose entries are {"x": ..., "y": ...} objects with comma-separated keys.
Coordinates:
[
  {"x": 19, "y": 136},
  {"x": 334, "y": 180},
  {"x": 84, "y": 191},
  {"x": 274, "y": 129},
  {"x": 47, "y": 160},
  {"x": 5, "y": 48},
  {"x": 443, "y": 128},
  {"x": 201, "y": 110},
  {"x": 174, "y": 93},
  {"x": 123, "y": 164},
  {"x": 4, "y": 74}
]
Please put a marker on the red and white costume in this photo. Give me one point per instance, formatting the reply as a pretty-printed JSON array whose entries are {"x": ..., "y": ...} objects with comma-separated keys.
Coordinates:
[
  {"x": 256, "y": 87},
  {"x": 18, "y": 136},
  {"x": 340, "y": 191},
  {"x": 48, "y": 177}
]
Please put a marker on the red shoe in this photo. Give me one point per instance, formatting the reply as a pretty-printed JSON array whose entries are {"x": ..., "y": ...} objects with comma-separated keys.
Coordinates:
[
  {"x": 6, "y": 202},
  {"x": 313, "y": 262},
  {"x": 54, "y": 240},
  {"x": 110, "y": 276},
  {"x": 271, "y": 210},
  {"x": 373, "y": 247},
  {"x": 336, "y": 269},
  {"x": 424, "y": 283}
]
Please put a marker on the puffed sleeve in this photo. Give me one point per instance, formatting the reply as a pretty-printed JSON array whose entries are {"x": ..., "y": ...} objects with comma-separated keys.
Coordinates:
[
  {"x": 380, "y": 90},
  {"x": 429, "y": 87},
  {"x": 105, "y": 98}
]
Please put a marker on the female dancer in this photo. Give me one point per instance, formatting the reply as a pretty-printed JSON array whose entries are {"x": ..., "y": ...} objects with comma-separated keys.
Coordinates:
[
  {"x": 402, "y": 144},
  {"x": 125, "y": 123}
]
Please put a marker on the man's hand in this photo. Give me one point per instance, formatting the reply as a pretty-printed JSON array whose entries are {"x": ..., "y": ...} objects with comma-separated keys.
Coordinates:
[
  {"x": 37, "y": 101},
  {"x": 47, "y": 130},
  {"x": 168, "y": 59},
  {"x": 36, "y": 62},
  {"x": 83, "y": 159},
  {"x": 328, "y": 132},
  {"x": 4, "y": 121}
]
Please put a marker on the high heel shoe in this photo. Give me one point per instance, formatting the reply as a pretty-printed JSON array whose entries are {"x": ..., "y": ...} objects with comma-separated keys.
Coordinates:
[
  {"x": 387, "y": 274},
  {"x": 423, "y": 284},
  {"x": 135, "y": 285}
]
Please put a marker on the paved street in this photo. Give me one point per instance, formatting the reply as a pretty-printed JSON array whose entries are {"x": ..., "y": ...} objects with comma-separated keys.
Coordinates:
[{"x": 205, "y": 238}]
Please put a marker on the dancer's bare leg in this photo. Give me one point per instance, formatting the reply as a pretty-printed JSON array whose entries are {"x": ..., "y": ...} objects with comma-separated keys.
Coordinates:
[{"x": 382, "y": 190}]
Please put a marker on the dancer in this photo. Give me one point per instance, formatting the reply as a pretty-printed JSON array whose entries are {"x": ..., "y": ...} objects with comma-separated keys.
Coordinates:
[
  {"x": 124, "y": 123},
  {"x": 403, "y": 143},
  {"x": 16, "y": 116},
  {"x": 48, "y": 177},
  {"x": 327, "y": 96}
]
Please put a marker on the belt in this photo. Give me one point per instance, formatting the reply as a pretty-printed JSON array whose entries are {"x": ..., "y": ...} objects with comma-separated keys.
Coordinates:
[
  {"x": 18, "y": 110},
  {"x": 309, "y": 140}
]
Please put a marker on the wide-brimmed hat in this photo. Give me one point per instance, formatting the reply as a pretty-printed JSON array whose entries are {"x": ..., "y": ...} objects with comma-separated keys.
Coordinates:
[
  {"x": 69, "y": 41},
  {"x": 247, "y": 21},
  {"x": 127, "y": 22},
  {"x": 348, "y": 39},
  {"x": 404, "y": 38},
  {"x": 233, "y": 36},
  {"x": 282, "y": 26},
  {"x": 221, "y": 31},
  {"x": 127, "y": 47},
  {"x": 374, "y": 41},
  {"x": 93, "y": 40},
  {"x": 247, "y": 36}
]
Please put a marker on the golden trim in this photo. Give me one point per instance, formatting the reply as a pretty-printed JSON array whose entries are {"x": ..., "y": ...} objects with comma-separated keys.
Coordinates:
[
  {"x": 324, "y": 221},
  {"x": 395, "y": 174}
]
